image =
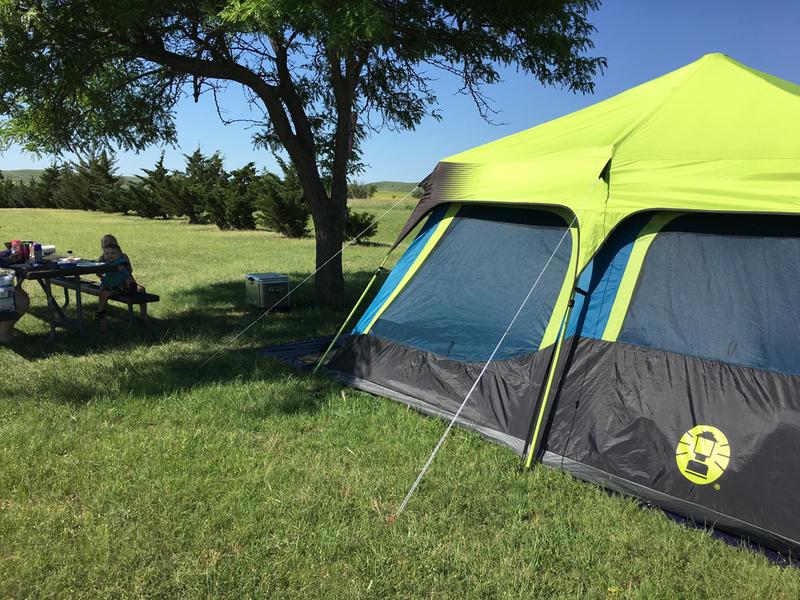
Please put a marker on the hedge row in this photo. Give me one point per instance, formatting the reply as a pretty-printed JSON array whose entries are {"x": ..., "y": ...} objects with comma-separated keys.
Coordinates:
[{"x": 203, "y": 192}]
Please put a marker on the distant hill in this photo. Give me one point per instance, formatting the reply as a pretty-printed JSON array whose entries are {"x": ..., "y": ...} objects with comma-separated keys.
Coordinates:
[
  {"x": 27, "y": 174},
  {"x": 18, "y": 174},
  {"x": 397, "y": 187},
  {"x": 385, "y": 188}
]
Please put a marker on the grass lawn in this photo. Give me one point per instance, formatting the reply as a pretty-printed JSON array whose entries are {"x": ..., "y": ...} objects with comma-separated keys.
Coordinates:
[{"x": 125, "y": 472}]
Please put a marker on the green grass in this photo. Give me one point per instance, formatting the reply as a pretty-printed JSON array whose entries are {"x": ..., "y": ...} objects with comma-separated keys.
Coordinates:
[
  {"x": 392, "y": 191},
  {"x": 395, "y": 186},
  {"x": 125, "y": 472}
]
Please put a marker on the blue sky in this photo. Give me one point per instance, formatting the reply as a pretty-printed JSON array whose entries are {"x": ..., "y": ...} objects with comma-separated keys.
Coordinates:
[{"x": 640, "y": 39}]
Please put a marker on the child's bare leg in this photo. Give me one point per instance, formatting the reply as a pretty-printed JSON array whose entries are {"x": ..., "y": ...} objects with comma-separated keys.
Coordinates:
[
  {"x": 102, "y": 303},
  {"x": 143, "y": 306}
]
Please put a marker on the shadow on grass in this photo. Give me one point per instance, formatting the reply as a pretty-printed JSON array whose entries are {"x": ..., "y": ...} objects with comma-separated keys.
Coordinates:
[{"x": 167, "y": 356}]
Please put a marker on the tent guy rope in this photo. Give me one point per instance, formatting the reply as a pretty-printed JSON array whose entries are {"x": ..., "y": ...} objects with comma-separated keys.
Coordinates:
[
  {"x": 291, "y": 291},
  {"x": 480, "y": 375}
]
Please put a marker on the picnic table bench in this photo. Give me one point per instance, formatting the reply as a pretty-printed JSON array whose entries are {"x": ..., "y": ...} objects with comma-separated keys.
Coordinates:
[{"x": 92, "y": 288}]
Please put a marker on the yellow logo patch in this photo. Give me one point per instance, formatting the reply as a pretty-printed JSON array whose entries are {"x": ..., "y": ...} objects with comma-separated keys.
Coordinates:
[{"x": 703, "y": 454}]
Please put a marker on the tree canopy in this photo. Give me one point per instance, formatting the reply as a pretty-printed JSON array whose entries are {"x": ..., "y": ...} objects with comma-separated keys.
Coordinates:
[{"x": 321, "y": 75}]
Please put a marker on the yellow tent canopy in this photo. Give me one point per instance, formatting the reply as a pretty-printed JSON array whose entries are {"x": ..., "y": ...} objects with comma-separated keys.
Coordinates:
[{"x": 714, "y": 135}]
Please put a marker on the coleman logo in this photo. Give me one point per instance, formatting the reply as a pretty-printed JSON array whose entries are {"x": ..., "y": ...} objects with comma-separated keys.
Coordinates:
[{"x": 703, "y": 454}]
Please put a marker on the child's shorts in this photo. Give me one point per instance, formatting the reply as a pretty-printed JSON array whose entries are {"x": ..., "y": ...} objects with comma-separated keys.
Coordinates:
[{"x": 128, "y": 287}]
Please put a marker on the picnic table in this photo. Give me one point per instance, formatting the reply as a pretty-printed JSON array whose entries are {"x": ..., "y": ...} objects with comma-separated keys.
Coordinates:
[{"x": 49, "y": 272}]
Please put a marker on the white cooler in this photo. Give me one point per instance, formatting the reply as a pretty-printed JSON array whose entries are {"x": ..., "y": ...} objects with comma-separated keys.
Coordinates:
[{"x": 265, "y": 289}]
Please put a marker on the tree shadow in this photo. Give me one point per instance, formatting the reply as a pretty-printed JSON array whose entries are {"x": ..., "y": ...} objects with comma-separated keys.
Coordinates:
[{"x": 166, "y": 357}]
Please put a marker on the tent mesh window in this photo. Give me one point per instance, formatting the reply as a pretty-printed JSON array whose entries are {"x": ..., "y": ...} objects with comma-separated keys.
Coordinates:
[
  {"x": 722, "y": 287},
  {"x": 462, "y": 298}
]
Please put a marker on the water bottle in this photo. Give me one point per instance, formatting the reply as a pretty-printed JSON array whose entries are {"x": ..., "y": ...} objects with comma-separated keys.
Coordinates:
[
  {"x": 30, "y": 254},
  {"x": 38, "y": 256}
]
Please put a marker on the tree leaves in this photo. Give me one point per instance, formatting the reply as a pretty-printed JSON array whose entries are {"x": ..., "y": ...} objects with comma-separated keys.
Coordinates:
[
  {"x": 75, "y": 77},
  {"x": 324, "y": 74}
]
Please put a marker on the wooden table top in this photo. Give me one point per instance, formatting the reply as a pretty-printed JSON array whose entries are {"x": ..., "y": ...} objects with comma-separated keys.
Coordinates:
[{"x": 50, "y": 268}]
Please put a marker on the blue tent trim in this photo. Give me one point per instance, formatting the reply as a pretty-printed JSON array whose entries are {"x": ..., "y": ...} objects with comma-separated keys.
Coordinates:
[
  {"x": 601, "y": 279},
  {"x": 401, "y": 268}
]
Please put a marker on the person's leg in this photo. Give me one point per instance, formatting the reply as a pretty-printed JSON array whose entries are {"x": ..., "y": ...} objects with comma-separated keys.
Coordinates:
[
  {"x": 102, "y": 300},
  {"x": 6, "y": 336},
  {"x": 22, "y": 302},
  {"x": 102, "y": 303},
  {"x": 143, "y": 306}
]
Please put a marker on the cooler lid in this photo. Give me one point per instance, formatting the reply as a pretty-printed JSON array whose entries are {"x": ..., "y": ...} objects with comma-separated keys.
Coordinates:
[{"x": 268, "y": 277}]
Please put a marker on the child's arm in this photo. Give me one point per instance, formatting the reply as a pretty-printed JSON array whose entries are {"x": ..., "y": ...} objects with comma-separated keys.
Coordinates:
[{"x": 128, "y": 269}]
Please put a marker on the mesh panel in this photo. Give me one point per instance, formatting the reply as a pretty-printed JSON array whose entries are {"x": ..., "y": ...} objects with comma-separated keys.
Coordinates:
[
  {"x": 722, "y": 287},
  {"x": 463, "y": 297},
  {"x": 401, "y": 268}
]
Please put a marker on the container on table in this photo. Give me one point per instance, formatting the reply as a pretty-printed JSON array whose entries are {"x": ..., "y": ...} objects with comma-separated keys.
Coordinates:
[
  {"x": 7, "y": 303},
  {"x": 264, "y": 290}
]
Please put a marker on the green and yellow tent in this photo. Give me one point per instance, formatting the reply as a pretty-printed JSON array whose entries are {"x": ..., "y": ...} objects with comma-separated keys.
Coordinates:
[{"x": 656, "y": 236}]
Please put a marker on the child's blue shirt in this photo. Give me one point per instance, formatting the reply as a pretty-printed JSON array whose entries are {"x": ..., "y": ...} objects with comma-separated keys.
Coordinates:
[{"x": 115, "y": 279}]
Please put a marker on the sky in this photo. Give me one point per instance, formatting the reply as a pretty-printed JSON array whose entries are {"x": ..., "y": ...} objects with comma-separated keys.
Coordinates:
[{"x": 640, "y": 39}]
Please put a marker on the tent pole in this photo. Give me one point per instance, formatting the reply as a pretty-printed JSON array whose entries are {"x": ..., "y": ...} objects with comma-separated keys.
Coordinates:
[
  {"x": 535, "y": 442},
  {"x": 350, "y": 316}
]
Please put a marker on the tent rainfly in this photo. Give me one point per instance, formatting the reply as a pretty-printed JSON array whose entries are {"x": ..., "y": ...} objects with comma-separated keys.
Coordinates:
[{"x": 659, "y": 353}]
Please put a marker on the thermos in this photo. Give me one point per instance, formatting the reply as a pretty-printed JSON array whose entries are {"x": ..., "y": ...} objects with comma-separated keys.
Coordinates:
[{"x": 7, "y": 291}]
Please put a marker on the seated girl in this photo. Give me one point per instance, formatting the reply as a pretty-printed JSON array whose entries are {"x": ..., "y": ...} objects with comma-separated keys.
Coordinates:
[{"x": 118, "y": 281}]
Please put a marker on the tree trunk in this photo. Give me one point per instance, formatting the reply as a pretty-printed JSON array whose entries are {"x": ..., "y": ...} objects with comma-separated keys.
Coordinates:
[
  {"x": 286, "y": 110},
  {"x": 328, "y": 215}
]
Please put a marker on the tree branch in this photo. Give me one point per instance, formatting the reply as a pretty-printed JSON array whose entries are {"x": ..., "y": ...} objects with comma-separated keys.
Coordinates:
[
  {"x": 288, "y": 91},
  {"x": 297, "y": 147}
]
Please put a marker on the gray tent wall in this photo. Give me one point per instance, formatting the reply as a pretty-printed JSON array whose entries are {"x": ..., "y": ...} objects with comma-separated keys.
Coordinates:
[{"x": 426, "y": 345}]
